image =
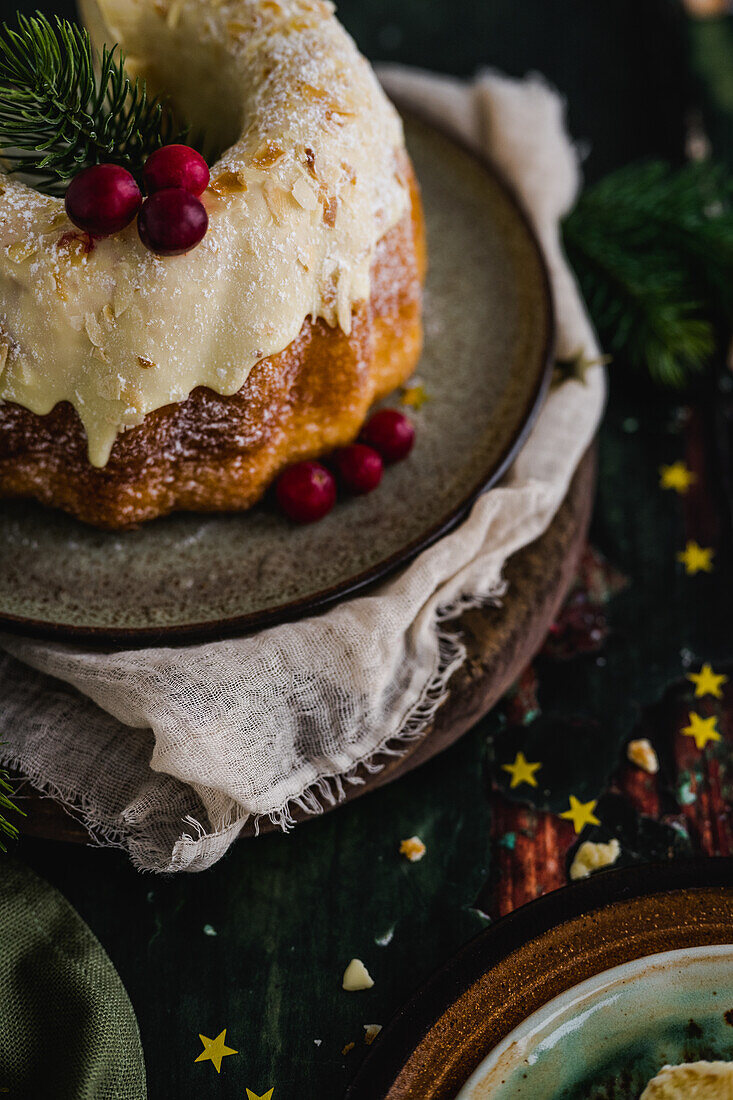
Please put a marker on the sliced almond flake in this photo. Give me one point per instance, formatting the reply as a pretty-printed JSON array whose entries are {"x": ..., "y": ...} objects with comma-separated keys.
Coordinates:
[
  {"x": 268, "y": 154},
  {"x": 21, "y": 250},
  {"x": 121, "y": 299},
  {"x": 108, "y": 315},
  {"x": 228, "y": 183},
  {"x": 4, "y": 352},
  {"x": 330, "y": 210},
  {"x": 94, "y": 330},
  {"x": 277, "y": 199},
  {"x": 310, "y": 162},
  {"x": 304, "y": 194},
  {"x": 100, "y": 353}
]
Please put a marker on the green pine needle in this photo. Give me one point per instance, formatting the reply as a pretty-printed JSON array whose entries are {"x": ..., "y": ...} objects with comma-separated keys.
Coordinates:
[
  {"x": 653, "y": 251},
  {"x": 7, "y": 829},
  {"x": 63, "y": 108}
]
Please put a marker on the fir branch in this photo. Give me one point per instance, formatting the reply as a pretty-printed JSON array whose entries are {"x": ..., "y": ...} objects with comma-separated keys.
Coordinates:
[
  {"x": 63, "y": 107},
  {"x": 7, "y": 829},
  {"x": 653, "y": 252}
]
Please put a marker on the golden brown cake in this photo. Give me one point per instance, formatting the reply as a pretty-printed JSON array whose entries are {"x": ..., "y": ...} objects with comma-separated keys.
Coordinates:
[{"x": 133, "y": 385}]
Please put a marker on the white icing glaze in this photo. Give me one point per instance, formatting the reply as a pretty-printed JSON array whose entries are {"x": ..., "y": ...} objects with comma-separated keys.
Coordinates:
[{"x": 297, "y": 206}]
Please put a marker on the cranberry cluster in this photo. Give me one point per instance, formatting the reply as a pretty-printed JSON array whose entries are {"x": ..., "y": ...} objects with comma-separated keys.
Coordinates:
[
  {"x": 306, "y": 492},
  {"x": 103, "y": 199}
]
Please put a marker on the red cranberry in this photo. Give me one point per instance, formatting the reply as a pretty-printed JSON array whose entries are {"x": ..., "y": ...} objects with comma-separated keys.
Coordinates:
[
  {"x": 172, "y": 221},
  {"x": 102, "y": 199},
  {"x": 306, "y": 492},
  {"x": 176, "y": 166},
  {"x": 389, "y": 432},
  {"x": 359, "y": 468}
]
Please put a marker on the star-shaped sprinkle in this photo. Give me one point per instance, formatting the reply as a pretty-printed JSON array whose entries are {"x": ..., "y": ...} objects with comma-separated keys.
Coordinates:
[
  {"x": 577, "y": 366},
  {"x": 702, "y": 729},
  {"x": 678, "y": 476},
  {"x": 265, "y": 1095},
  {"x": 707, "y": 682},
  {"x": 214, "y": 1050},
  {"x": 581, "y": 813},
  {"x": 696, "y": 558},
  {"x": 414, "y": 396},
  {"x": 521, "y": 771}
]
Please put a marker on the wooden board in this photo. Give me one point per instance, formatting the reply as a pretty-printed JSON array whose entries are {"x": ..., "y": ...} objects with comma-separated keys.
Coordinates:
[{"x": 500, "y": 642}]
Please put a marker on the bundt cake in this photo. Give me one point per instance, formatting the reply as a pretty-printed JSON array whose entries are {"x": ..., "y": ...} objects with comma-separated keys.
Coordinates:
[{"x": 131, "y": 384}]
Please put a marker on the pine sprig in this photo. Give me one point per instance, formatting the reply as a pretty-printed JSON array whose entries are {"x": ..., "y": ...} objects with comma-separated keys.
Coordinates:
[
  {"x": 63, "y": 107},
  {"x": 7, "y": 829},
  {"x": 653, "y": 251}
]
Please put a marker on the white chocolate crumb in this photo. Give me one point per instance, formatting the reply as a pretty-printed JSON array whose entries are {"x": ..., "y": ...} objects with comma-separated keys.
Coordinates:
[
  {"x": 642, "y": 754},
  {"x": 318, "y": 1042},
  {"x": 413, "y": 848},
  {"x": 591, "y": 857},
  {"x": 356, "y": 976}
]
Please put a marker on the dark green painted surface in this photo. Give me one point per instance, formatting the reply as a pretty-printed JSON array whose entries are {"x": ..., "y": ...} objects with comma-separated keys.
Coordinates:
[{"x": 290, "y": 911}]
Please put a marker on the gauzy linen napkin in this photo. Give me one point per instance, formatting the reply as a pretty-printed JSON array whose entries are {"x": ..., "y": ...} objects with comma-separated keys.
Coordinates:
[{"x": 168, "y": 752}]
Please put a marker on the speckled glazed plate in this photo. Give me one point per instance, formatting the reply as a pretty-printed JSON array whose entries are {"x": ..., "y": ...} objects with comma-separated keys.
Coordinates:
[
  {"x": 488, "y": 341},
  {"x": 582, "y": 995}
]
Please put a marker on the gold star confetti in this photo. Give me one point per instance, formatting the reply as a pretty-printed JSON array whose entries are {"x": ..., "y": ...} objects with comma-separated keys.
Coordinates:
[
  {"x": 696, "y": 558},
  {"x": 707, "y": 682},
  {"x": 577, "y": 367},
  {"x": 702, "y": 729},
  {"x": 414, "y": 396},
  {"x": 214, "y": 1050},
  {"x": 581, "y": 813},
  {"x": 521, "y": 771},
  {"x": 265, "y": 1095},
  {"x": 678, "y": 476}
]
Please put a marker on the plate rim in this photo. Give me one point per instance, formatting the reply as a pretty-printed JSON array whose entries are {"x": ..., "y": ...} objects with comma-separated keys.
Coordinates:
[
  {"x": 418, "y": 1016},
  {"x": 238, "y": 625}
]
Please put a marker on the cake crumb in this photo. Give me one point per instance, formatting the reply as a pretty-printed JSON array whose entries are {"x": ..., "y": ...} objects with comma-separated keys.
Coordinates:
[
  {"x": 413, "y": 848},
  {"x": 641, "y": 753},
  {"x": 370, "y": 1033},
  {"x": 356, "y": 976},
  {"x": 348, "y": 1047},
  {"x": 591, "y": 857}
]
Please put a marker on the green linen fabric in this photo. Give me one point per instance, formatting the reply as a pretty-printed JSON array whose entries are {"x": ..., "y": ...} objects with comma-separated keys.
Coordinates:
[{"x": 67, "y": 1028}]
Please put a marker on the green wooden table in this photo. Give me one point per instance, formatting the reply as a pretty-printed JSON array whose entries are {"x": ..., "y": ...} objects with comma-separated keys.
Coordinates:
[{"x": 258, "y": 945}]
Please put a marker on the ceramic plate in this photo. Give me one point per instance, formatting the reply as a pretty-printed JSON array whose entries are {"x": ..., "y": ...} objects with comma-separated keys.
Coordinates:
[
  {"x": 582, "y": 995},
  {"x": 488, "y": 341}
]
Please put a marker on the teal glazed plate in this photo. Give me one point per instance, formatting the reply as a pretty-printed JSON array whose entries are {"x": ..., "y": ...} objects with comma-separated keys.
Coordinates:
[
  {"x": 584, "y": 994},
  {"x": 485, "y": 369}
]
